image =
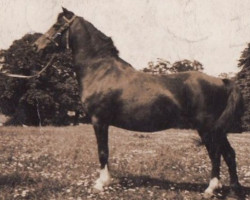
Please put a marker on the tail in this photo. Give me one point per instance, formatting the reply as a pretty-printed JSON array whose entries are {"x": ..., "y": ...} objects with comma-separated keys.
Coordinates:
[{"x": 230, "y": 119}]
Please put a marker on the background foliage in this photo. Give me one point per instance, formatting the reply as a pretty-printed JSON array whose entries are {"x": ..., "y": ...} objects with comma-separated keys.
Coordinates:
[
  {"x": 47, "y": 99},
  {"x": 165, "y": 67},
  {"x": 43, "y": 100},
  {"x": 243, "y": 81}
]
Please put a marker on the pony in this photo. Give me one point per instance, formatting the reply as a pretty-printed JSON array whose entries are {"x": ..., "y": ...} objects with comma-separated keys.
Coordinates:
[{"x": 114, "y": 93}]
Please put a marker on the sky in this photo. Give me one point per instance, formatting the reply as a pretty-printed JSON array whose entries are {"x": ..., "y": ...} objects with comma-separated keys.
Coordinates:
[{"x": 214, "y": 32}]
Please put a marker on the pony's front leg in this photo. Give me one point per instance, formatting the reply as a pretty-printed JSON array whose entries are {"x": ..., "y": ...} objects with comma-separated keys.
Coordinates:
[{"x": 101, "y": 132}]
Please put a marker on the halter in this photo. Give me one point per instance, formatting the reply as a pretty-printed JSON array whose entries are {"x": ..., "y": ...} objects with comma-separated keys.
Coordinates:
[{"x": 64, "y": 27}]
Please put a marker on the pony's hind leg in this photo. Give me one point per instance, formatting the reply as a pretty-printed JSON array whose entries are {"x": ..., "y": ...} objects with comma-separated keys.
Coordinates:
[
  {"x": 228, "y": 154},
  {"x": 101, "y": 132},
  {"x": 214, "y": 152}
]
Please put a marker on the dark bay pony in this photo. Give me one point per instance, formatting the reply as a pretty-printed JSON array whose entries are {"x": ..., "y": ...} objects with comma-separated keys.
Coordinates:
[{"x": 114, "y": 93}]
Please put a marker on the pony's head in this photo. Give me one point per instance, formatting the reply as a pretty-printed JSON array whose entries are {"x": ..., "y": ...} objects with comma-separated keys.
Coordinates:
[
  {"x": 71, "y": 31},
  {"x": 57, "y": 36}
]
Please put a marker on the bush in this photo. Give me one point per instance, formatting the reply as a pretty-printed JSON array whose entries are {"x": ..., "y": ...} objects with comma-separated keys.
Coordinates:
[{"x": 43, "y": 100}]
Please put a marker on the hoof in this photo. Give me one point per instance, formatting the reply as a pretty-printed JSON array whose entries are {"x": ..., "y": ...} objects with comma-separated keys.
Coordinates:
[
  {"x": 208, "y": 195},
  {"x": 213, "y": 186},
  {"x": 98, "y": 188},
  {"x": 219, "y": 186},
  {"x": 101, "y": 183},
  {"x": 236, "y": 192}
]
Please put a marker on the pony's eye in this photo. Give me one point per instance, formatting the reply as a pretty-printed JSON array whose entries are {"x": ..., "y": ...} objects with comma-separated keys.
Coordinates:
[{"x": 56, "y": 26}]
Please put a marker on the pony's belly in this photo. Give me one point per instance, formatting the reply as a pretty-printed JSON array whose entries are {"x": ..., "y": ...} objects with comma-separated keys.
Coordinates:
[
  {"x": 145, "y": 124},
  {"x": 145, "y": 128}
]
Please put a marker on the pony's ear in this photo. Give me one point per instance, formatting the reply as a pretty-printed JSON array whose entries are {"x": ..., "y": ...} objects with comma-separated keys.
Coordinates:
[
  {"x": 65, "y": 10},
  {"x": 67, "y": 13}
]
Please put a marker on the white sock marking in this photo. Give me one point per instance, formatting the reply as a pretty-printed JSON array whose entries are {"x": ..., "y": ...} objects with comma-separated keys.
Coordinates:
[
  {"x": 103, "y": 180},
  {"x": 213, "y": 185}
]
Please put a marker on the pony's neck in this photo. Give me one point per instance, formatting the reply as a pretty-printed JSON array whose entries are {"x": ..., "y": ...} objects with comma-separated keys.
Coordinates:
[
  {"x": 80, "y": 43},
  {"x": 88, "y": 43}
]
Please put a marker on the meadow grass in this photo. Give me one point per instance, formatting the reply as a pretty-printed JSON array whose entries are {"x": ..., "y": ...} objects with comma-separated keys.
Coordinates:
[{"x": 62, "y": 163}]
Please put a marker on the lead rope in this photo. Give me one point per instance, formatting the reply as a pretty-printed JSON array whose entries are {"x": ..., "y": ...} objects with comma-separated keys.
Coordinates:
[{"x": 32, "y": 76}]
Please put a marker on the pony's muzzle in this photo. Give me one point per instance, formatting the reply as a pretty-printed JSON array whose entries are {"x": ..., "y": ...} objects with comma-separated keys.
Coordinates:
[{"x": 37, "y": 49}]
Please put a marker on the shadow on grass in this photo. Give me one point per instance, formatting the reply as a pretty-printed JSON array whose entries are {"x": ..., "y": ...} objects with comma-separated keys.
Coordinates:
[
  {"x": 42, "y": 186},
  {"x": 133, "y": 181},
  {"x": 15, "y": 179}
]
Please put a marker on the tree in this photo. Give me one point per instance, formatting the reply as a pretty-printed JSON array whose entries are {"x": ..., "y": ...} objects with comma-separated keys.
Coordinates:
[
  {"x": 42, "y": 100},
  {"x": 243, "y": 82},
  {"x": 164, "y": 67},
  {"x": 161, "y": 67},
  {"x": 187, "y": 65},
  {"x": 229, "y": 75}
]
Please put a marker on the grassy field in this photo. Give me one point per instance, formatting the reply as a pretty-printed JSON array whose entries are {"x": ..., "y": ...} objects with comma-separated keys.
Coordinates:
[{"x": 61, "y": 163}]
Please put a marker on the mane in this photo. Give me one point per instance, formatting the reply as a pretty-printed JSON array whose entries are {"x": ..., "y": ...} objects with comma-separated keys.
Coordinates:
[{"x": 102, "y": 44}]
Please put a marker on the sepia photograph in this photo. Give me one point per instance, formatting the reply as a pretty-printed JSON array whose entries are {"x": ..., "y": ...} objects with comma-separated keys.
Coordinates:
[{"x": 124, "y": 99}]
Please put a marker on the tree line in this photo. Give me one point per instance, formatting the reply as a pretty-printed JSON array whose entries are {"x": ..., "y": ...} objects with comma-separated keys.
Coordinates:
[
  {"x": 50, "y": 98},
  {"x": 162, "y": 66}
]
